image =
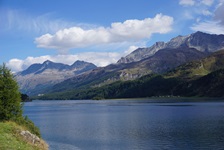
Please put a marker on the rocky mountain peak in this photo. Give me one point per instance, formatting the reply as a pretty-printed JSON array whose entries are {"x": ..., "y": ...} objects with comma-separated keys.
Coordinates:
[
  {"x": 206, "y": 42},
  {"x": 177, "y": 42},
  {"x": 200, "y": 41},
  {"x": 82, "y": 64},
  {"x": 47, "y": 62},
  {"x": 142, "y": 53},
  {"x": 199, "y": 33},
  {"x": 79, "y": 63},
  {"x": 52, "y": 66}
]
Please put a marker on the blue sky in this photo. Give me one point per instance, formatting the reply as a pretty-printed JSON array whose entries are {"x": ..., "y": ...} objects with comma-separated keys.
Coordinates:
[{"x": 98, "y": 31}]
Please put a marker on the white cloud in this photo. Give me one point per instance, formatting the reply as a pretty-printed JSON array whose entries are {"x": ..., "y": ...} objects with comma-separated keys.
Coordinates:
[
  {"x": 219, "y": 13},
  {"x": 129, "y": 30},
  {"x": 211, "y": 27},
  {"x": 207, "y": 2},
  {"x": 196, "y": 2},
  {"x": 187, "y": 2},
  {"x": 197, "y": 7},
  {"x": 15, "y": 64},
  {"x": 100, "y": 58},
  {"x": 208, "y": 15},
  {"x": 74, "y": 37},
  {"x": 214, "y": 25}
]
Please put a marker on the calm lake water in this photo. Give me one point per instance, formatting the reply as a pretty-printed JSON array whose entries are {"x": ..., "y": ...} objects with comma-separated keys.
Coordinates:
[{"x": 129, "y": 124}]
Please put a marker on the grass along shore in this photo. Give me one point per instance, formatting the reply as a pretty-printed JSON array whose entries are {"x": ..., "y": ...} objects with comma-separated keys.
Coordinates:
[{"x": 12, "y": 138}]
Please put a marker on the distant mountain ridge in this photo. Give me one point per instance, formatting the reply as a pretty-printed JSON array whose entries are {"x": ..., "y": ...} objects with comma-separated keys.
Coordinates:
[
  {"x": 200, "y": 41},
  {"x": 37, "y": 77}
]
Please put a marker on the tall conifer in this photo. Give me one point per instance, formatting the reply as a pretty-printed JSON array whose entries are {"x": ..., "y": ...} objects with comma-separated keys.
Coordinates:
[{"x": 10, "y": 99}]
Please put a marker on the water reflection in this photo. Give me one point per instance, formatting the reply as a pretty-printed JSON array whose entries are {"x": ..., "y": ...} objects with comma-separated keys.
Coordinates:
[{"x": 129, "y": 124}]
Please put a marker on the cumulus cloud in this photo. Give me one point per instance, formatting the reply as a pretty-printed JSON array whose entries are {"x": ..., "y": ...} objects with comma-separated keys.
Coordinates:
[
  {"x": 15, "y": 64},
  {"x": 74, "y": 37},
  {"x": 129, "y": 30}
]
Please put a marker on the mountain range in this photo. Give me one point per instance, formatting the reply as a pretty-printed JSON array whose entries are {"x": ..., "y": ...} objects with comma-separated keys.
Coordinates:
[
  {"x": 200, "y": 78},
  {"x": 38, "y": 77},
  {"x": 160, "y": 58}
]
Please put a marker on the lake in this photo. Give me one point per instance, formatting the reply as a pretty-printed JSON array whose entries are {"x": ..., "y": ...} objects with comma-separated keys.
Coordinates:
[{"x": 129, "y": 124}]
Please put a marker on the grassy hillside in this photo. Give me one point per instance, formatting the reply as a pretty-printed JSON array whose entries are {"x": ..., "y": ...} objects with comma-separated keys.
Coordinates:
[
  {"x": 199, "y": 68},
  {"x": 11, "y": 139}
]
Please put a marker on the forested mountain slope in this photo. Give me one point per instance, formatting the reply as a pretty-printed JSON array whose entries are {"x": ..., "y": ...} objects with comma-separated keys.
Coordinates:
[{"x": 203, "y": 77}]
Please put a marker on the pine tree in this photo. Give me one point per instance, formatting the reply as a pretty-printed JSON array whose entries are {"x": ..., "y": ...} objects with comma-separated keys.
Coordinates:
[{"x": 10, "y": 99}]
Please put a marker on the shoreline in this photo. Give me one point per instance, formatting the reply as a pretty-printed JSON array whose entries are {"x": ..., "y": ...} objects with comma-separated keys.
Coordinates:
[{"x": 153, "y": 99}]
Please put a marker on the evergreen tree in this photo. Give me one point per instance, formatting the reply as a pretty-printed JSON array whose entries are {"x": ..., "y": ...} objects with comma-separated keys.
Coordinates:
[{"x": 10, "y": 99}]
